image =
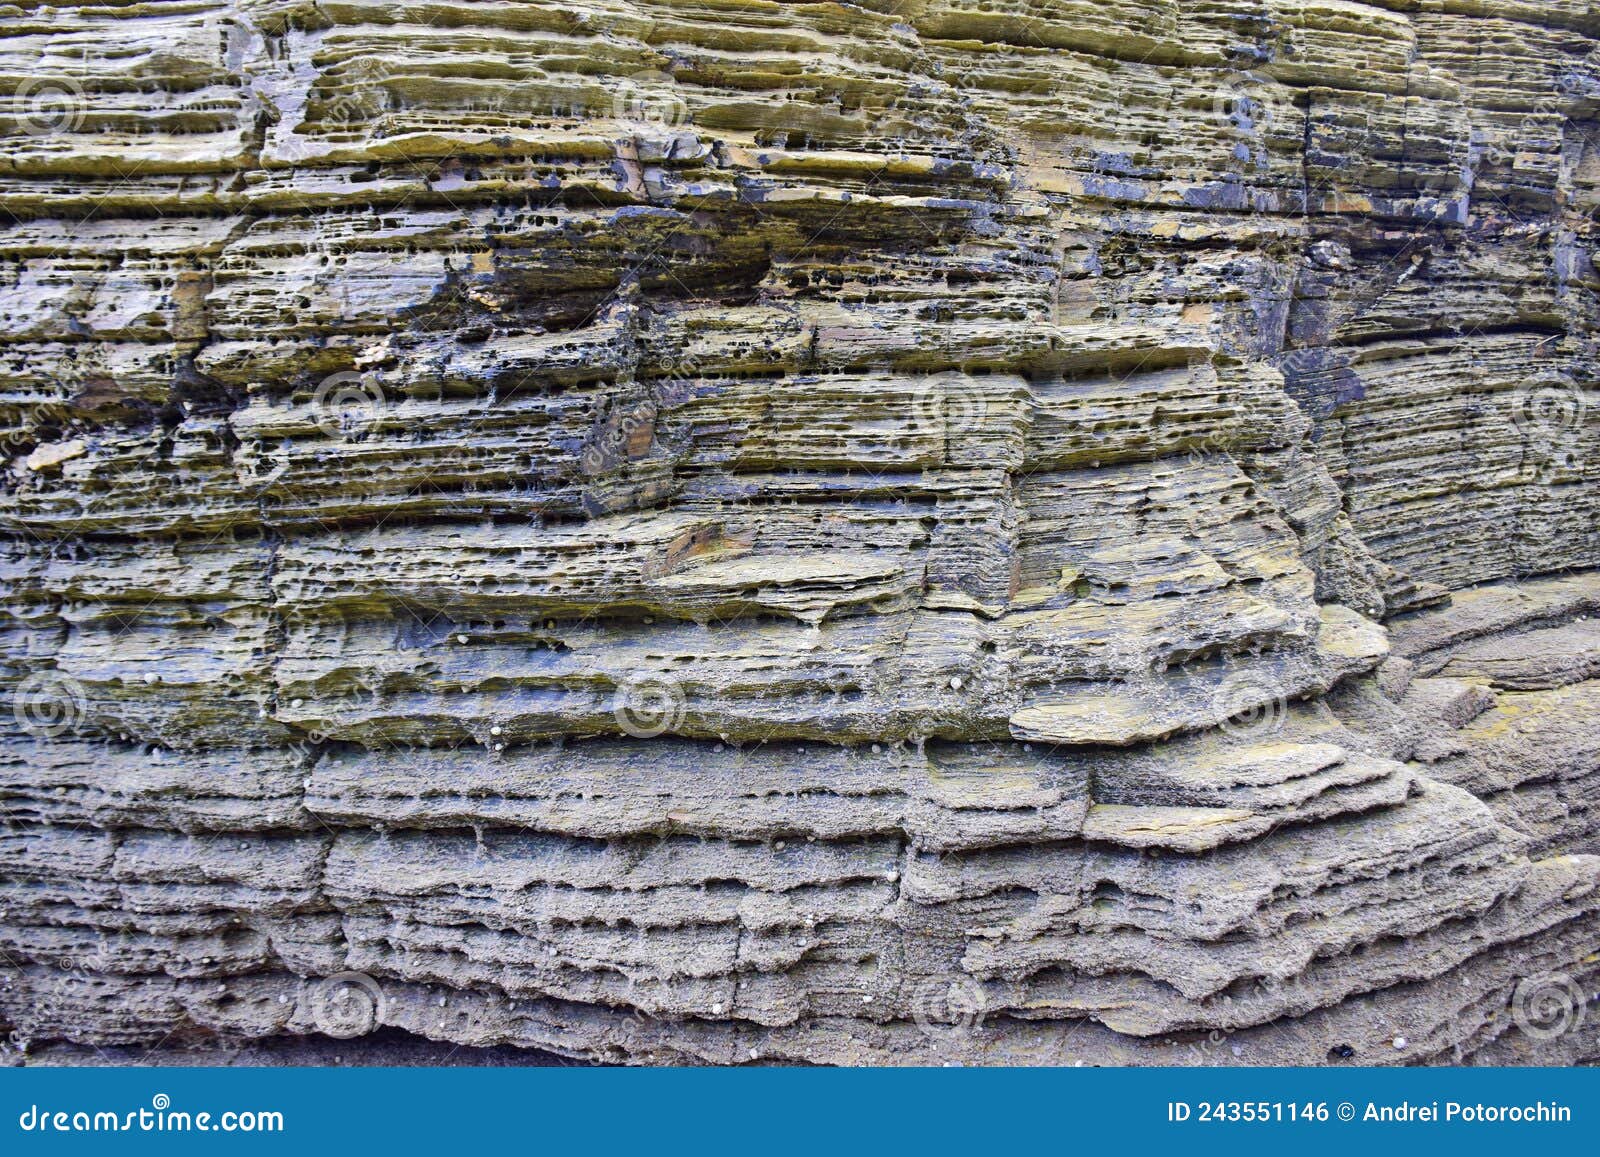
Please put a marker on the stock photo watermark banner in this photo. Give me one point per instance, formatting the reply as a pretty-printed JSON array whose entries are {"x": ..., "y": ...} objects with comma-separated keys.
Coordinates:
[{"x": 803, "y": 1110}]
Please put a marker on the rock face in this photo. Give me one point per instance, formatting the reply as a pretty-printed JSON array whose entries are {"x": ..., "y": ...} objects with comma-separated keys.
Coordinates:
[{"x": 1032, "y": 532}]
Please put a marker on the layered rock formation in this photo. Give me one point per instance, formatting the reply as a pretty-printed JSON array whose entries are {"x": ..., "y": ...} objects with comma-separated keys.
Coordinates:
[{"x": 736, "y": 532}]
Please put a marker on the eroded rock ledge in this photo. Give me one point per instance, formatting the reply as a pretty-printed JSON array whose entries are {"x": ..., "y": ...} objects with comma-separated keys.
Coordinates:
[{"x": 743, "y": 532}]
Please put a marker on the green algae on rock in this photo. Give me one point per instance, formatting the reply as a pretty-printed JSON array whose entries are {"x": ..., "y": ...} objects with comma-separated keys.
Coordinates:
[{"x": 736, "y": 532}]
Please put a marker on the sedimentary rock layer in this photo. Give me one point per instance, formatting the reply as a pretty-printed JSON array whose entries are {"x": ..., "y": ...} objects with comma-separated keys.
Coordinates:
[{"x": 743, "y": 532}]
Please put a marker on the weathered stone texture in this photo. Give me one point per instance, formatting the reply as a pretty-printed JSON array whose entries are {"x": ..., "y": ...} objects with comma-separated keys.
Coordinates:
[{"x": 722, "y": 531}]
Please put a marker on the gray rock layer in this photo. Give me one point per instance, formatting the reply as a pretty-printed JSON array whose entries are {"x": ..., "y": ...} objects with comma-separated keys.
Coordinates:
[{"x": 1026, "y": 533}]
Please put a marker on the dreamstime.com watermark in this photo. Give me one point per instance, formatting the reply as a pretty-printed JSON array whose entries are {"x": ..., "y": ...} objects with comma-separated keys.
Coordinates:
[
  {"x": 1548, "y": 1006},
  {"x": 1250, "y": 706},
  {"x": 949, "y": 1010},
  {"x": 646, "y": 706},
  {"x": 160, "y": 1117}
]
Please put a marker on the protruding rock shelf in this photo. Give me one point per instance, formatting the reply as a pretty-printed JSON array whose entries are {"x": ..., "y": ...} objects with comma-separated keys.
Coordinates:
[{"x": 756, "y": 533}]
